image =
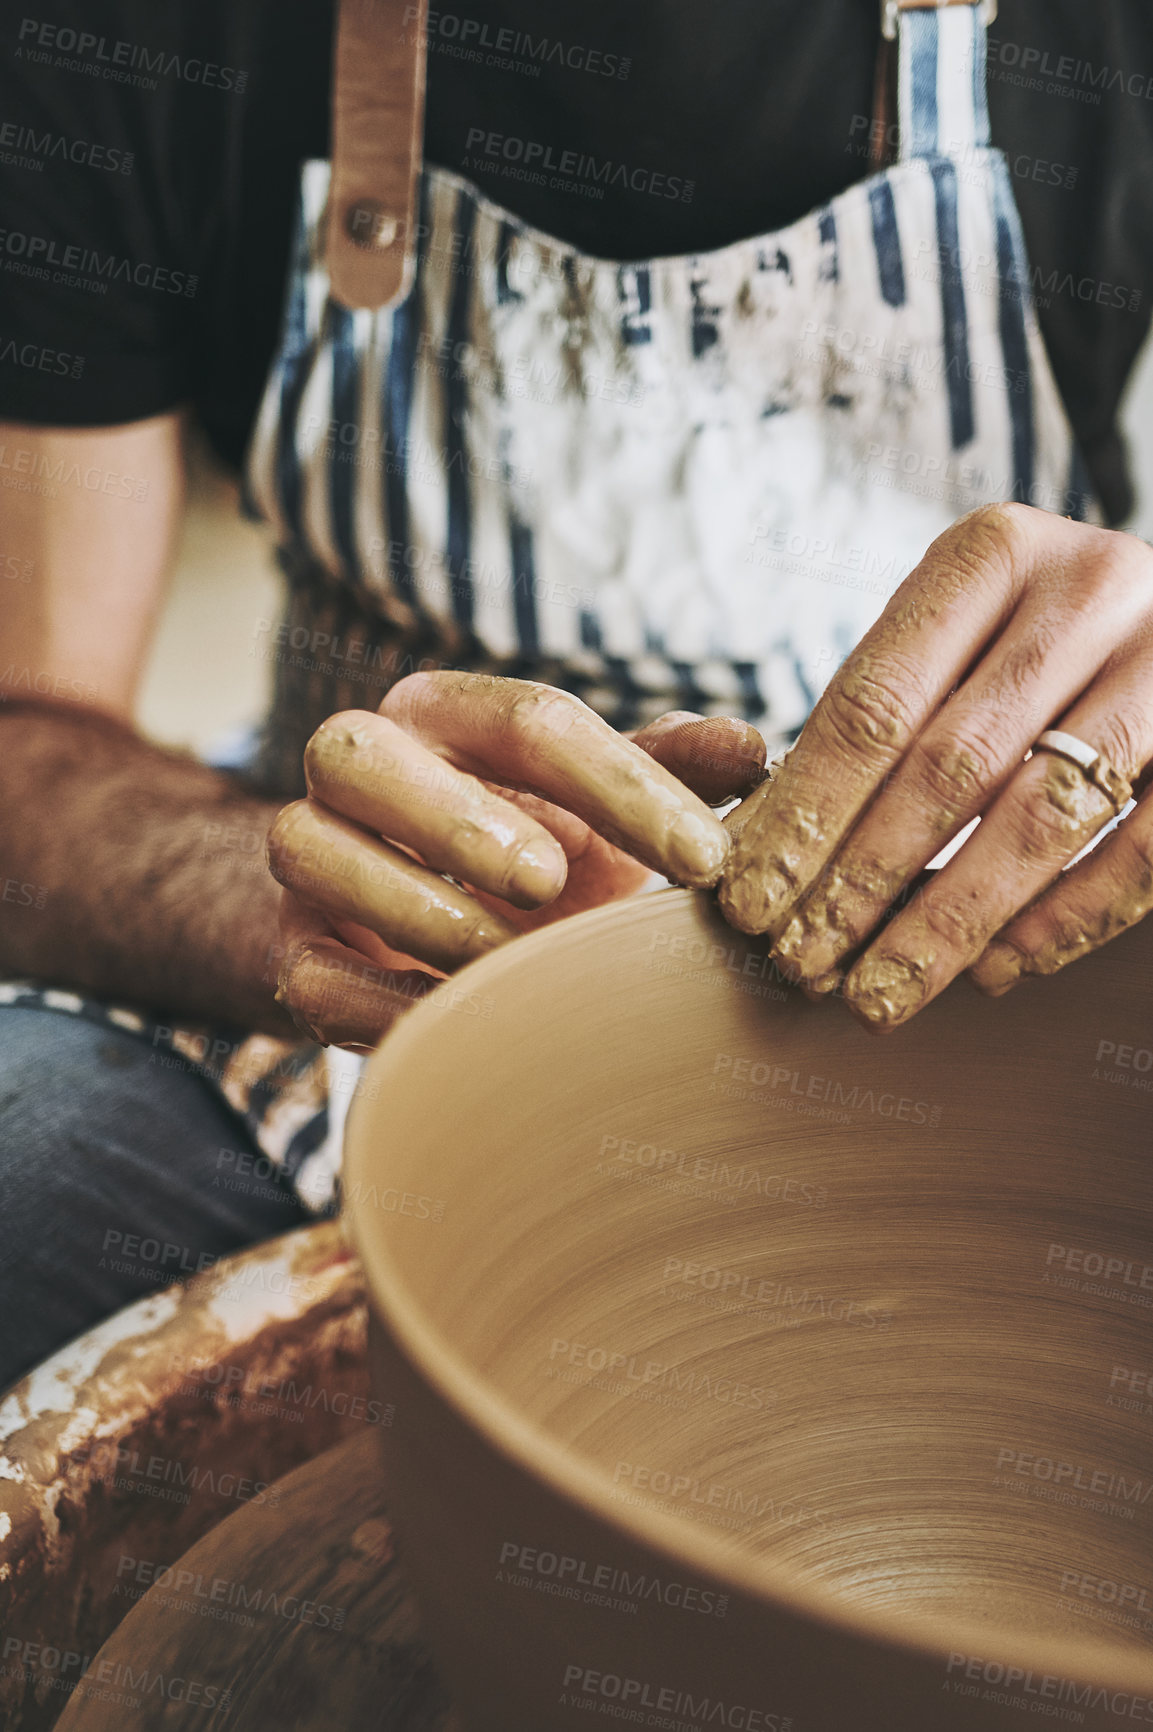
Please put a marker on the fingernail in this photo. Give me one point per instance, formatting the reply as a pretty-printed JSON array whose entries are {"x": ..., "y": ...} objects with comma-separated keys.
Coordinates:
[
  {"x": 998, "y": 968},
  {"x": 537, "y": 876},
  {"x": 885, "y": 990}
]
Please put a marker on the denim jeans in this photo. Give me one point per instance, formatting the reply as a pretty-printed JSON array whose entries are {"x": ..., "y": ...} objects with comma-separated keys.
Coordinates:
[{"x": 117, "y": 1175}]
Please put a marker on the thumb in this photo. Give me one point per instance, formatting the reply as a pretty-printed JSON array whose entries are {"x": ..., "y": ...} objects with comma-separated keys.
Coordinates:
[{"x": 719, "y": 757}]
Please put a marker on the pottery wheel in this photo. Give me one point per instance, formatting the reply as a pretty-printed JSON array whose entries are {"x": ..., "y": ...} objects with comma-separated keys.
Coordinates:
[{"x": 291, "y": 1614}]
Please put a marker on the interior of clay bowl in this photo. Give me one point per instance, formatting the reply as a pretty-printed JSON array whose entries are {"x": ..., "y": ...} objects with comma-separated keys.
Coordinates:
[{"x": 875, "y": 1310}]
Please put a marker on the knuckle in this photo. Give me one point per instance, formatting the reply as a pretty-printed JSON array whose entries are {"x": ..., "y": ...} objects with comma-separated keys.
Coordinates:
[
  {"x": 959, "y": 768},
  {"x": 957, "y": 921},
  {"x": 532, "y": 708},
  {"x": 1053, "y": 935},
  {"x": 1003, "y": 531},
  {"x": 1045, "y": 831},
  {"x": 868, "y": 712},
  {"x": 1102, "y": 582},
  {"x": 1100, "y": 574},
  {"x": 1025, "y": 663},
  {"x": 1068, "y": 923},
  {"x": 1124, "y": 739},
  {"x": 1060, "y": 926},
  {"x": 1087, "y": 606},
  {"x": 1138, "y": 569},
  {"x": 1137, "y": 841},
  {"x": 1007, "y": 522},
  {"x": 1115, "y": 566},
  {"x": 985, "y": 552},
  {"x": 417, "y": 691}
]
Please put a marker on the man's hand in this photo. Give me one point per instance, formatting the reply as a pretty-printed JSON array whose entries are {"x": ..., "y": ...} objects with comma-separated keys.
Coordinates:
[
  {"x": 515, "y": 789},
  {"x": 1015, "y": 621}
]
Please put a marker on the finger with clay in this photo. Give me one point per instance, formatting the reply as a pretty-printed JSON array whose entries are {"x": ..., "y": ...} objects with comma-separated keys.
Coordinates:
[
  {"x": 472, "y": 808},
  {"x": 342, "y": 993},
  {"x": 1015, "y": 623}
]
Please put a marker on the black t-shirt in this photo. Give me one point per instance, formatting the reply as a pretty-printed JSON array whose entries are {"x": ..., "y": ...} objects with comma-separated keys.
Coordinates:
[{"x": 149, "y": 155}]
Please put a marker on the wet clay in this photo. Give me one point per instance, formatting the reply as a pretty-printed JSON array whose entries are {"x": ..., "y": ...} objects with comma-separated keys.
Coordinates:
[
  {"x": 368, "y": 769},
  {"x": 335, "y": 867},
  {"x": 643, "y": 808},
  {"x": 785, "y": 833},
  {"x": 1066, "y": 790},
  {"x": 884, "y": 990},
  {"x": 774, "y": 837},
  {"x": 854, "y": 893},
  {"x": 833, "y": 919},
  {"x": 730, "y": 1295},
  {"x": 843, "y": 906},
  {"x": 1078, "y": 932},
  {"x": 546, "y": 742},
  {"x": 889, "y": 985}
]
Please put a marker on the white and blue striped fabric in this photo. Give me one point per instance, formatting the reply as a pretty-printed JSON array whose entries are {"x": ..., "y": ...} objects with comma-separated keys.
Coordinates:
[
  {"x": 682, "y": 482},
  {"x": 685, "y": 482},
  {"x": 941, "y": 97}
]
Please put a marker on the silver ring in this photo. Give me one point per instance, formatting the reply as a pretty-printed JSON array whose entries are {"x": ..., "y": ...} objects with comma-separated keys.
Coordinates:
[{"x": 1092, "y": 764}]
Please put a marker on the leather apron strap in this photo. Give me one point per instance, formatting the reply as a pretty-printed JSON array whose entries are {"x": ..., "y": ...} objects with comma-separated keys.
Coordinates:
[{"x": 377, "y": 144}]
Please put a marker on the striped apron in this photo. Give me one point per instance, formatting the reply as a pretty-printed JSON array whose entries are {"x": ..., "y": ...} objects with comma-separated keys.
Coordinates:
[{"x": 679, "y": 483}]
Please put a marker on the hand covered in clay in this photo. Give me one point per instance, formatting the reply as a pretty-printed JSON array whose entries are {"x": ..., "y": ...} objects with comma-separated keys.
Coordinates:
[
  {"x": 1015, "y": 622},
  {"x": 520, "y": 792}
]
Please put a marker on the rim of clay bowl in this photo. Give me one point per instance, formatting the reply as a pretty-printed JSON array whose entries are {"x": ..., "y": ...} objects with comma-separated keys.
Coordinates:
[{"x": 544, "y": 1459}]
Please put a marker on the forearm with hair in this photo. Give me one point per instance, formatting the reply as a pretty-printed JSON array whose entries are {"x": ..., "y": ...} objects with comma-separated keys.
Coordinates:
[{"x": 133, "y": 872}]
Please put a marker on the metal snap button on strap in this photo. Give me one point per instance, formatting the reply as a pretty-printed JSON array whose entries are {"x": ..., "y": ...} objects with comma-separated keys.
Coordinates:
[
  {"x": 370, "y": 225},
  {"x": 377, "y": 135}
]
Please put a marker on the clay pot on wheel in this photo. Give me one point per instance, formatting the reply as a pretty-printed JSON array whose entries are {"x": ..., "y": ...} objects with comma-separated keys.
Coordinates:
[{"x": 751, "y": 1369}]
